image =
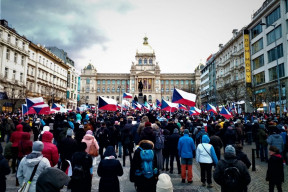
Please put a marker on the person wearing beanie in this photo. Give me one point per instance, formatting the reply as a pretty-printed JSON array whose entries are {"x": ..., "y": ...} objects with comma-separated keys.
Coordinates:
[
  {"x": 15, "y": 138},
  {"x": 127, "y": 141},
  {"x": 45, "y": 128},
  {"x": 172, "y": 145},
  {"x": 109, "y": 169},
  {"x": 261, "y": 137},
  {"x": 164, "y": 183},
  {"x": 230, "y": 160},
  {"x": 144, "y": 119},
  {"x": 5, "y": 170},
  {"x": 90, "y": 141},
  {"x": 50, "y": 150},
  {"x": 79, "y": 134},
  {"x": 148, "y": 133},
  {"x": 185, "y": 150},
  {"x": 28, "y": 163}
]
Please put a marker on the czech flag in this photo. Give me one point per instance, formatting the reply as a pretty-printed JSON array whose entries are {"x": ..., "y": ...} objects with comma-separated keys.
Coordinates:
[
  {"x": 211, "y": 108},
  {"x": 183, "y": 97},
  {"x": 194, "y": 111},
  {"x": 56, "y": 107},
  {"x": 42, "y": 109},
  {"x": 158, "y": 103},
  {"x": 25, "y": 110},
  {"x": 168, "y": 106},
  {"x": 180, "y": 106},
  {"x": 34, "y": 101},
  {"x": 127, "y": 96},
  {"x": 225, "y": 113},
  {"x": 136, "y": 105},
  {"x": 146, "y": 106},
  {"x": 107, "y": 104}
]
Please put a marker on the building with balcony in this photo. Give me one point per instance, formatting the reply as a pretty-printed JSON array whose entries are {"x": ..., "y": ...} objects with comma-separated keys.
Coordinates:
[{"x": 157, "y": 85}]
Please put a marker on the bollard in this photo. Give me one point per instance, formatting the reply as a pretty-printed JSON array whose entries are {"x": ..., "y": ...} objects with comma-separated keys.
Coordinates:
[{"x": 253, "y": 160}]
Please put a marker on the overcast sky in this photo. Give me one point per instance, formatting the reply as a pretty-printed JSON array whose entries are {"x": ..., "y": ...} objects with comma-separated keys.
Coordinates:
[{"x": 183, "y": 33}]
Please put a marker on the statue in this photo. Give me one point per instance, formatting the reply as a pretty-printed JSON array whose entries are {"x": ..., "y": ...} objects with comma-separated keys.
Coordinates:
[{"x": 140, "y": 86}]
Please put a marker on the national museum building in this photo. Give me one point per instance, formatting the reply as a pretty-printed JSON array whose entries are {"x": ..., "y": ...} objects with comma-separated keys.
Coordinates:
[{"x": 156, "y": 85}]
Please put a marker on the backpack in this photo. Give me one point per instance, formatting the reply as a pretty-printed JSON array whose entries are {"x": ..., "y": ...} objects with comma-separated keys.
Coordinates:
[
  {"x": 159, "y": 143},
  {"x": 232, "y": 177},
  {"x": 78, "y": 172},
  {"x": 147, "y": 157},
  {"x": 93, "y": 150}
]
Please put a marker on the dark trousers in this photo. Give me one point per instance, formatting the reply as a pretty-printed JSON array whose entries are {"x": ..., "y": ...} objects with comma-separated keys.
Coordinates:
[
  {"x": 101, "y": 149},
  {"x": 206, "y": 172},
  {"x": 165, "y": 162},
  {"x": 172, "y": 162},
  {"x": 125, "y": 149},
  {"x": 14, "y": 151},
  {"x": 272, "y": 186}
]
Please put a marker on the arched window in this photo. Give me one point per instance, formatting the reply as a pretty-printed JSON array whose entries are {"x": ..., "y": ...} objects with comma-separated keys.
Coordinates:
[
  {"x": 108, "y": 89},
  {"x": 145, "y": 61},
  {"x": 103, "y": 90},
  {"x": 140, "y": 61},
  {"x": 113, "y": 90},
  {"x": 112, "y": 97},
  {"x": 150, "y": 98},
  {"x": 98, "y": 89},
  {"x": 150, "y": 61}
]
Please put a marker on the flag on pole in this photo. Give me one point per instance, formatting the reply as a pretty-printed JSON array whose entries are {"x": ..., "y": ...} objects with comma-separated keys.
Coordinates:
[
  {"x": 180, "y": 106},
  {"x": 211, "y": 108},
  {"x": 42, "y": 109},
  {"x": 34, "y": 101},
  {"x": 183, "y": 97},
  {"x": 56, "y": 106},
  {"x": 136, "y": 105},
  {"x": 25, "y": 110},
  {"x": 158, "y": 103},
  {"x": 194, "y": 111},
  {"x": 168, "y": 106},
  {"x": 107, "y": 104},
  {"x": 127, "y": 96},
  {"x": 234, "y": 108},
  {"x": 225, "y": 113}
]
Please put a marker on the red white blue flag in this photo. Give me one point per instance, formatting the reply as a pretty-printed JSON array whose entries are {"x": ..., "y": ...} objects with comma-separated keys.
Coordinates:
[
  {"x": 168, "y": 106},
  {"x": 183, "y": 97},
  {"x": 25, "y": 110},
  {"x": 127, "y": 96},
  {"x": 43, "y": 109},
  {"x": 225, "y": 113},
  {"x": 56, "y": 106},
  {"x": 194, "y": 111},
  {"x": 136, "y": 105},
  {"x": 107, "y": 104},
  {"x": 211, "y": 108},
  {"x": 34, "y": 101},
  {"x": 180, "y": 106}
]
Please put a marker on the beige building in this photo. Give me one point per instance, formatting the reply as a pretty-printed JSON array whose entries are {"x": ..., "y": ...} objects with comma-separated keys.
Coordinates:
[{"x": 145, "y": 68}]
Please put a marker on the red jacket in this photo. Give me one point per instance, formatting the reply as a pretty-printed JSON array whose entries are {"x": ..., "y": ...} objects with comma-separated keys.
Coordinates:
[
  {"x": 50, "y": 150},
  {"x": 25, "y": 145},
  {"x": 17, "y": 135}
]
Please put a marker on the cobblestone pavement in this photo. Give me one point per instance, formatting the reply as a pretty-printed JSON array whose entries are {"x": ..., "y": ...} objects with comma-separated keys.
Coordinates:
[{"x": 258, "y": 183}]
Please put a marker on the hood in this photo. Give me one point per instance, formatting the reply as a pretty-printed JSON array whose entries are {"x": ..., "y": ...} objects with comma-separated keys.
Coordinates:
[
  {"x": 229, "y": 157},
  {"x": 205, "y": 139},
  {"x": 88, "y": 137},
  {"x": 25, "y": 136},
  {"x": 30, "y": 161},
  {"x": 276, "y": 136},
  {"x": 19, "y": 127},
  {"x": 277, "y": 155},
  {"x": 148, "y": 130},
  {"x": 110, "y": 151},
  {"x": 146, "y": 144},
  {"x": 47, "y": 137}
]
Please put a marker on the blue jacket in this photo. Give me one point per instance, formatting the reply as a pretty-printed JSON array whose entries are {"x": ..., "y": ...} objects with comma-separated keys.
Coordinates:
[{"x": 186, "y": 146}]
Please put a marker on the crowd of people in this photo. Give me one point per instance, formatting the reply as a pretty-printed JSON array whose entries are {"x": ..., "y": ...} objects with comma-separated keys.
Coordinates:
[{"x": 61, "y": 149}]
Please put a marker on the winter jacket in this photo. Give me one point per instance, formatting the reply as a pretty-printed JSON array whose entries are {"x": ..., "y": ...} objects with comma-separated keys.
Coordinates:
[
  {"x": 79, "y": 134},
  {"x": 218, "y": 174},
  {"x": 8, "y": 151},
  {"x": 25, "y": 145},
  {"x": 277, "y": 141},
  {"x": 50, "y": 150},
  {"x": 51, "y": 179},
  {"x": 90, "y": 140},
  {"x": 230, "y": 136},
  {"x": 67, "y": 147},
  {"x": 275, "y": 171},
  {"x": 205, "y": 152},
  {"x": 17, "y": 135},
  {"x": 172, "y": 143},
  {"x": 27, "y": 165},
  {"x": 186, "y": 147},
  {"x": 148, "y": 134},
  {"x": 261, "y": 137},
  {"x": 4, "y": 170},
  {"x": 216, "y": 142},
  {"x": 243, "y": 157}
]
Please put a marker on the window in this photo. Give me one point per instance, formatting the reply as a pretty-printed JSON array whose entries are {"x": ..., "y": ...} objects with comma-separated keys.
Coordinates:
[
  {"x": 275, "y": 53},
  {"x": 162, "y": 89},
  {"x": 87, "y": 81},
  {"x": 108, "y": 82},
  {"x": 162, "y": 82},
  {"x": 108, "y": 89},
  {"x": 167, "y": 90},
  {"x": 123, "y": 90},
  {"x": 257, "y": 46},
  {"x": 177, "y": 82},
  {"x": 256, "y": 31},
  {"x": 113, "y": 82},
  {"x": 6, "y": 72},
  {"x": 145, "y": 61},
  {"x": 103, "y": 89},
  {"x": 272, "y": 17},
  {"x": 273, "y": 72},
  {"x": 150, "y": 61},
  {"x": 192, "y": 82},
  {"x": 103, "y": 82},
  {"x": 98, "y": 90},
  {"x": 14, "y": 75},
  {"x": 22, "y": 60},
  {"x": 167, "y": 82},
  {"x": 113, "y": 90},
  {"x": 123, "y": 82},
  {"x": 258, "y": 62},
  {"x": 118, "y": 89},
  {"x": 15, "y": 57},
  {"x": 171, "y": 82},
  {"x": 140, "y": 61},
  {"x": 182, "y": 82},
  {"x": 187, "y": 82},
  {"x": 98, "y": 82},
  {"x": 286, "y": 5},
  {"x": 128, "y": 82},
  {"x": 172, "y": 89},
  {"x": 259, "y": 78},
  {"x": 16, "y": 42},
  {"x": 8, "y": 54},
  {"x": 9, "y": 38},
  {"x": 118, "y": 82},
  {"x": 39, "y": 59},
  {"x": 274, "y": 35}
]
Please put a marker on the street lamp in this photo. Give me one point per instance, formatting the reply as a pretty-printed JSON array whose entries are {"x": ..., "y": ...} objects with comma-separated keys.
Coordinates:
[
  {"x": 119, "y": 87},
  {"x": 277, "y": 67}
]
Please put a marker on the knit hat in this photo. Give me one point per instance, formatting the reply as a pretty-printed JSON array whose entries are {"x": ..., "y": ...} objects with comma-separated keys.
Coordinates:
[
  {"x": 89, "y": 132},
  {"x": 164, "y": 183},
  {"x": 69, "y": 132},
  {"x": 37, "y": 146},
  {"x": 81, "y": 126},
  {"x": 147, "y": 124},
  {"x": 45, "y": 128},
  {"x": 116, "y": 122},
  {"x": 186, "y": 131},
  {"x": 230, "y": 149},
  {"x": 175, "y": 130}
]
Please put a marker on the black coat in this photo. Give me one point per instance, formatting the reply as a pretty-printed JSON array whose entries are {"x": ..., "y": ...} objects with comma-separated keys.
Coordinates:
[
  {"x": 67, "y": 147},
  {"x": 108, "y": 171},
  {"x": 275, "y": 171},
  {"x": 4, "y": 170},
  {"x": 148, "y": 134},
  {"x": 243, "y": 157},
  {"x": 172, "y": 142},
  {"x": 79, "y": 134}
]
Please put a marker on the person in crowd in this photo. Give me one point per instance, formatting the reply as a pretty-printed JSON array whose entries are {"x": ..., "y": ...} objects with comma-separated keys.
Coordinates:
[
  {"x": 217, "y": 143},
  {"x": 186, "y": 147},
  {"x": 144, "y": 119},
  {"x": 166, "y": 150},
  {"x": 67, "y": 147},
  {"x": 81, "y": 179},
  {"x": 102, "y": 136},
  {"x": 50, "y": 151},
  {"x": 148, "y": 133},
  {"x": 171, "y": 126},
  {"x": 28, "y": 164},
  {"x": 92, "y": 145},
  {"x": 284, "y": 135},
  {"x": 164, "y": 183},
  {"x": 127, "y": 141},
  {"x": 221, "y": 174},
  {"x": 230, "y": 136},
  {"x": 158, "y": 145},
  {"x": 37, "y": 127},
  {"x": 9, "y": 128},
  {"x": 276, "y": 140},
  {"x": 206, "y": 156},
  {"x": 4, "y": 170},
  {"x": 24, "y": 146},
  {"x": 255, "y": 128},
  {"x": 16, "y": 136},
  {"x": 172, "y": 145},
  {"x": 261, "y": 138},
  {"x": 113, "y": 134},
  {"x": 240, "y": 155},
  {"x": 45, "y": 128},
  {"x": 239, "y": 131},
  {"x": 109, "y": 169},
  {"x": 51, "y": 180},
  {"x": 248, "y": 131},
  {"x": 79, "y": 134},
  {"x": 275, "y": 171}
]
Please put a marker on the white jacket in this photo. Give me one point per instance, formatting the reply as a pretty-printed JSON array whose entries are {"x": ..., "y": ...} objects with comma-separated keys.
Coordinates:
[
  {"x": 26, "y": 167},
  {"x": 201, "y": 154}
]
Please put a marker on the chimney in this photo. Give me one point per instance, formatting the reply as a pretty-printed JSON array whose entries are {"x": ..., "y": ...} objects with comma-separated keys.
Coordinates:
[
  {"x": 4, "y": 22},
  {"x": 235, "y": 32},
  {"x": 220, "y": 46}
]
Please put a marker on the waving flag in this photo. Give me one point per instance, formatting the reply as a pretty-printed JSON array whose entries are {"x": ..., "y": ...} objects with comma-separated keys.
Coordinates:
[
  {"x": 136, "y": 105},
  {"x": 234, "y": 108},
  {"x": 168, "y": 106},
  {"x": 127, "y": 96},
  {"x": 34, "y": 101},
  {"x": 211, "y": 108},
  {"x": 107, "y": 104},
  {"x": 225, "y": 113},
  {"x": 180, "y": 106},
  {"x": 158, "y": 103},
  {"x": 194, "y": 111},
  {"x": 56, "y": 106},
  {"x": 146, "y": 106},
  {"x": 183, "y": 97},
  {"x": 42, "y": 109},
  {"x": 25, "y": 110}
]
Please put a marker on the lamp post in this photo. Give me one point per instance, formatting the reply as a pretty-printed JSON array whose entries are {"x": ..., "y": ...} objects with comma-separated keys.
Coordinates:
[
  {"x": 277, "y": 68},
  {"x": 119, "y": 87}
]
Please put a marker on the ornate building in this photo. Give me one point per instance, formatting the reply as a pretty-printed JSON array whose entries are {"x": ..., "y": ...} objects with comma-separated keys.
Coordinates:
[{"x": 145, "y": 69}]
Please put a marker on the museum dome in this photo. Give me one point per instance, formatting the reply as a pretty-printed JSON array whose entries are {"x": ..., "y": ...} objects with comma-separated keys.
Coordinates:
[{"x": 145, "y": 48}]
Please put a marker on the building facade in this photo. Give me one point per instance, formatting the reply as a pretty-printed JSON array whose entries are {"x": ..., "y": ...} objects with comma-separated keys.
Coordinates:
[
  {"x": 145, "y": 68},
  {"x": 13, "y": 66}
]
